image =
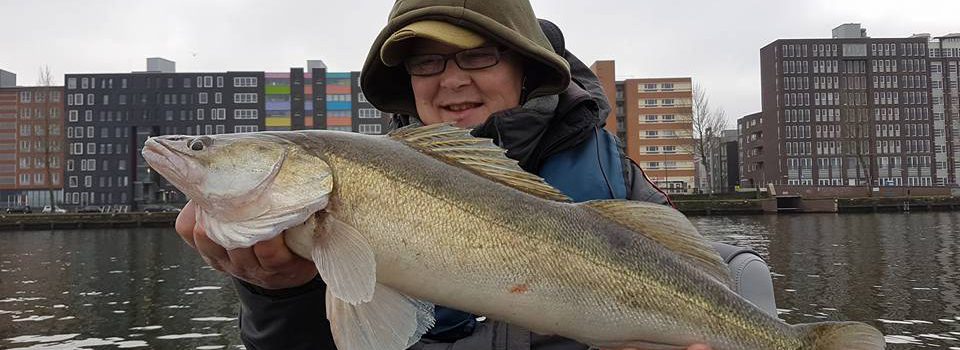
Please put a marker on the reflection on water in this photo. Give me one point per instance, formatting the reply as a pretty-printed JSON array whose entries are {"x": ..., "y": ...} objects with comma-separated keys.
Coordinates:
[
  {"x": 144, "y": 288},
  {"x": 118, "y": 288},
  {"x": 898, "y": 272}
]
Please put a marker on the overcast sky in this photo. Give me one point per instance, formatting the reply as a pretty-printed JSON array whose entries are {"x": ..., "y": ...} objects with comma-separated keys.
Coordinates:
[{"x": 715, "y": 42}]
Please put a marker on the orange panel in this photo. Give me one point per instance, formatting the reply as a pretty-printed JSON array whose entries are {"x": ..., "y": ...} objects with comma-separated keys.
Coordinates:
[
  {"x": 308, "y": 122},
  {"x": 338, "y": 121},
  {"x": 336, "y": 89},
  {"x": 308, "y": 90}
]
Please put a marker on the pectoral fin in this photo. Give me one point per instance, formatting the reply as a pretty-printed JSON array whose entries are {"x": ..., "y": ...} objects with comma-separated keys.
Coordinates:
[
  {"x": 390, "y": 321},
  {"x": 345, "y": 261}
]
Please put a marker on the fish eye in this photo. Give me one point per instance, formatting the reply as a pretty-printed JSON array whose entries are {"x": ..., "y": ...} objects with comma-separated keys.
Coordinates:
[{"x": 196, "y": 145}]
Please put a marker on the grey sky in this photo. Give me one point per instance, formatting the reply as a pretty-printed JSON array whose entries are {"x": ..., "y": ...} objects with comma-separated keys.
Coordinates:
[{"x": 715, "y": 42}]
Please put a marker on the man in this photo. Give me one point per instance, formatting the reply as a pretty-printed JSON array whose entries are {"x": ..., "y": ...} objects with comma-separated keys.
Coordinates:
[{"x": 486, "y": 65}]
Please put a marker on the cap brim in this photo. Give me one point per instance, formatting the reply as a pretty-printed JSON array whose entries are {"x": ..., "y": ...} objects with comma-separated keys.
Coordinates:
[{"x": 397, "y": 46}]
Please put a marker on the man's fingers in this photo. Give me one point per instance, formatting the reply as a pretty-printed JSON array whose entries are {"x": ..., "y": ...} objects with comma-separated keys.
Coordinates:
[
  {"x": 273, "y": 254},
  {"x": 243, "y": 259},
  {"x": 186, "y": 222},
  {"x": 209, "y": 248}
]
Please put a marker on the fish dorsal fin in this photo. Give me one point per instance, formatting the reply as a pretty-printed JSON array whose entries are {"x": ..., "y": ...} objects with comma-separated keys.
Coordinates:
[
  {"x": 668, "y": 227},
  {"x": 457, "y": 147}
]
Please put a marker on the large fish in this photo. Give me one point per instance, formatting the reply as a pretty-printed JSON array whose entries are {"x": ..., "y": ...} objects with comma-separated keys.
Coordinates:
[{"x": 430, "y": 215}]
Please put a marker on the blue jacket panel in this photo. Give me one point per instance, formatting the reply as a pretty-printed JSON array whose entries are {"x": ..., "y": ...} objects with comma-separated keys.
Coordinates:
[{"x": 588, "y": 171}]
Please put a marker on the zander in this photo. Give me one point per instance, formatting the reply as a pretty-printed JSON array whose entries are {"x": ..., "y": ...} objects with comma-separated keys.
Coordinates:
[{"x": 430, "y": 215}]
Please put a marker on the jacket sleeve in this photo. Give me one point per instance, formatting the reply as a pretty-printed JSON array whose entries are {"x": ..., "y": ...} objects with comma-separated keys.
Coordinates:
[
  {"x": 292, "y": 318},
  {"x": 639, "y": 187}
]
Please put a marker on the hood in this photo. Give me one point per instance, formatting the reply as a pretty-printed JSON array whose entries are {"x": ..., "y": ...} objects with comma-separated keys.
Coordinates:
[{"x": 511, "y": 23}]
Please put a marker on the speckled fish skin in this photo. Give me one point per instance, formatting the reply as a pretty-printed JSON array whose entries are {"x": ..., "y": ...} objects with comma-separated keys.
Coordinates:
[{"x": 446, "y": 235}]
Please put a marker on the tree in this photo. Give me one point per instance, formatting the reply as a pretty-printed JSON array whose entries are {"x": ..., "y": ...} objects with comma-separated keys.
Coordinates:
[
  {"x": 47, "y": 112},
  {"x": 708, "y": 126}
]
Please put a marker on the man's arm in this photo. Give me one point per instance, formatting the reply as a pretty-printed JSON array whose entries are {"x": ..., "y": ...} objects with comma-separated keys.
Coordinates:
[
  {"x": 292, "y": 318},
  {"x": 282, "y": 302}
]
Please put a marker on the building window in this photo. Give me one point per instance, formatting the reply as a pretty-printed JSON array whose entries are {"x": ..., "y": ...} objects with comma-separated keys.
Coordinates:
[
  {"x": 361, "y": 97},
  {"x": 72, "y": 182},
  {"x": 24, "y": 96},
  {"x": 374, "y": 129},
  {"x": 219, "y": 82},
  {"x": 245, "y": 97},
  {"x": 649, "y": 87},
  {"x": 221, "y": 129},
  {"x": 218, "y": 98},
  {"x": 72, "y": 84},
  {"x": 369, "y": 113},
  {"x": 218, "y": 114},
  {"x": 202, "y": 98},
  {"x": 651, "y": 134},
  {"x": 649, "y": 103},
  {"x": 245, "y": 114},
  {"x": 245, "y": 128},
  {"x": 208, "y": 81},
  {"x": 244, "y": 81},
  {"x": 200, "y": 114}
]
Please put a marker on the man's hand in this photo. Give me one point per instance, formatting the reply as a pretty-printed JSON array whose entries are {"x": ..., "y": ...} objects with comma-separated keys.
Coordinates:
[{"x": 268, "y": 264}]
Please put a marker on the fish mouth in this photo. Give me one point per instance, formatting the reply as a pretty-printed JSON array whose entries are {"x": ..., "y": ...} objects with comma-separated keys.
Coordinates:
[{"x": 159, "y": 155}]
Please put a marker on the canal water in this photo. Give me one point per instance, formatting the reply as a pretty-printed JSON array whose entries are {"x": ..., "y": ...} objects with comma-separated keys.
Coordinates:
[{"x": 144, "y": 288}]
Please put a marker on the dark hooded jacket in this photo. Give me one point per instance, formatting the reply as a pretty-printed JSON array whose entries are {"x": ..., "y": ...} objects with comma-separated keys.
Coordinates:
[
  {"x": 541, "y": 140},
  {"x": 557, "y": 133}
]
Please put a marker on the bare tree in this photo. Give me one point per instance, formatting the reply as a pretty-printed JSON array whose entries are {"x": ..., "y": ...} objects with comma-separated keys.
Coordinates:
[
  {"x": 47, "y": 110},
  {"x": 708, "y": 125}
]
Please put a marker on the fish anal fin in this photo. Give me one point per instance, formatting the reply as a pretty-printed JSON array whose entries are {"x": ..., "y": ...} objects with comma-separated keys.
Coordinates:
[{"x": 841, "y": 335}]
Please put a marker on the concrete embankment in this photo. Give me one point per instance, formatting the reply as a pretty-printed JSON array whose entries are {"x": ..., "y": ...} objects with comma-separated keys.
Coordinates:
[
  {"x": 47, "y": 221},
  {"x": 797, "y": 204}
]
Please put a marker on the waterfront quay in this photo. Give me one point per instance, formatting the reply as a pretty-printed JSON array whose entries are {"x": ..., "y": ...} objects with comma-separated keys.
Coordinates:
[
  {"x": 738, "y": 204},
  {"x": 50, "y": 221}
]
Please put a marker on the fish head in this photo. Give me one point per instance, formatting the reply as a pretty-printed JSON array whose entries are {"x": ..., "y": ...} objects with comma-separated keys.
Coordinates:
[{"x": 248, "y": 186}]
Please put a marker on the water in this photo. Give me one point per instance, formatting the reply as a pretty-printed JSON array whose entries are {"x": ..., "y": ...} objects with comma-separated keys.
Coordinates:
[
  {"x": 898, "y": 272},
  {"x": 120, "y": 288},
  {"x": 144, "y": 288}
]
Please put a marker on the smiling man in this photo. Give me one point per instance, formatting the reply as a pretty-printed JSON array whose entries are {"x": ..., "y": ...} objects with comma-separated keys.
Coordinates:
[{"x": 488, "y": 65}]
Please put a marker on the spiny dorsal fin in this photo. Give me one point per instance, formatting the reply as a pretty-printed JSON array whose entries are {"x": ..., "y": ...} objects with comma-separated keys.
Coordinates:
[
  {"x": 668, "y": 227},
  {"x": 457, "y": 147}
]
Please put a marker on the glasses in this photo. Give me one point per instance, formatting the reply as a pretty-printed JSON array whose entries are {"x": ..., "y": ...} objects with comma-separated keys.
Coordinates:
[{"x": 470, "y": 59}]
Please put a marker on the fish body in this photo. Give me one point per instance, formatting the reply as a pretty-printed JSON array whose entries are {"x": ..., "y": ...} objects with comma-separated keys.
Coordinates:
[{"x": 431, "y": 216}]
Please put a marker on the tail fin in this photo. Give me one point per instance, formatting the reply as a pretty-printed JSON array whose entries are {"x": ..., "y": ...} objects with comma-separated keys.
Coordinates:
[{"x": 841, "y": 335}]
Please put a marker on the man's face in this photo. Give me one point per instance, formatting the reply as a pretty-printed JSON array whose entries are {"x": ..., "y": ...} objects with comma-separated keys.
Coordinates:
[{"x": 465, "y": 98}]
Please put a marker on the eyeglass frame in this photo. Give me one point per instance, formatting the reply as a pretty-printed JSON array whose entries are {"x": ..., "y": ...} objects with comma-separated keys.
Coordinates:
[{"x": 498, "y": 55}]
